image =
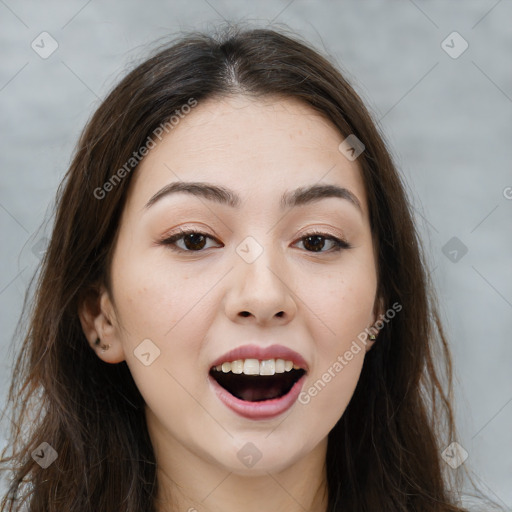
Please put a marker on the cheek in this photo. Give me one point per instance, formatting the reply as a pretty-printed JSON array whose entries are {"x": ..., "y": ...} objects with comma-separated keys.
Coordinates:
[
  {"x": 343, "y": 301},
  {"x": 156, "y": 298},
  {"x": 328, "y": 392},
  {"x": 162, "y": 303},
  {"x": 158, "y": 305}
]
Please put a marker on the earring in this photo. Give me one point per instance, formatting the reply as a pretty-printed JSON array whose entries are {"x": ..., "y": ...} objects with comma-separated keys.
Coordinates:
[
  {"x": 104, "y": 348},
  {"x": 373, "y": 337}
]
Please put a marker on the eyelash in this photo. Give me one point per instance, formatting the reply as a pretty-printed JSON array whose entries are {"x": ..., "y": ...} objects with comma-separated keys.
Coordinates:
[{"x": 170, "y": 241}]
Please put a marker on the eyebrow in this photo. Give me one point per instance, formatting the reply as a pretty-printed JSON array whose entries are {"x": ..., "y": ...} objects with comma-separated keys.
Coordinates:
[{"x": 298, "y": 197}]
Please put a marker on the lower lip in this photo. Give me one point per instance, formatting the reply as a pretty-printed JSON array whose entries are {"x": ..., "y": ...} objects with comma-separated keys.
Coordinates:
[{"x": 261, "y": 410}]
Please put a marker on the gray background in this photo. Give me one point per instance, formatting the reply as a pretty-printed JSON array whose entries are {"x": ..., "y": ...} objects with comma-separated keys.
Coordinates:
[{"x": 447, "y": 120}]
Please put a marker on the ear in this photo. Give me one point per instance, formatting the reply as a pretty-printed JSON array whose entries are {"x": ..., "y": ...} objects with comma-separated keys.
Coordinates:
[
  {"x": 378, "y": 309},
  {"x": 378, "y": 312},
  {"x": 98, "y": 318}
]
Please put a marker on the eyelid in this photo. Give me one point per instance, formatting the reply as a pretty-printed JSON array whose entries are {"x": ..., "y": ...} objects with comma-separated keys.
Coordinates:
[
  {"x": 339, "y": 241},
  {"x": 170, "y": 238},
  {"x": 307, "y": 231},
  {"x": 321, "y": 231}
]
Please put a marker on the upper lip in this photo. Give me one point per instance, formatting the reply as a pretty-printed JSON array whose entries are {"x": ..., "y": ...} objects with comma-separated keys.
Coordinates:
[{"x": 262, "y": 353}]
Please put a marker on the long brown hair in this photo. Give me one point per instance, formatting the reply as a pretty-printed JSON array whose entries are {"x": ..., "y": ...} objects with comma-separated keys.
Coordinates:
[{"x": 384, "y": 452}]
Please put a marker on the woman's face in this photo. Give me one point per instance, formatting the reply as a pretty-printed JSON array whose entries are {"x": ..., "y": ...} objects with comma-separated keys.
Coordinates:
[{"x": 249, "y": 277}]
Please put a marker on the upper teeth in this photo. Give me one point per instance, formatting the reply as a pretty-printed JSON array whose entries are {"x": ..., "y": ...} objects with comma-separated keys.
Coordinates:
[{"x": 257, "y": 367}]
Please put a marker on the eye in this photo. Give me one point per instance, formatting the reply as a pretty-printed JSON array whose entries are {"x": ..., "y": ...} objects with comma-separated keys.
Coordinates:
[
  {"x": 315, "y": 242},
  {"x": 193, "y": 241}
]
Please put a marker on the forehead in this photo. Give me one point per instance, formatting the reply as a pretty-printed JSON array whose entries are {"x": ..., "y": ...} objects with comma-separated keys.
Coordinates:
[{"x": 265, "y": 145}]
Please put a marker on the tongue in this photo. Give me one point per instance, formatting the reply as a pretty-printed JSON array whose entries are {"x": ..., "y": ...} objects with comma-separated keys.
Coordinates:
[
  {"x": 256, "y": 393},
  {"x": 255, "y": 388}
]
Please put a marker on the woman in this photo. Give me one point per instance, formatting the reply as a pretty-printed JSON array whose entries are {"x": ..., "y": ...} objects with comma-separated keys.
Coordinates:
[{"x": 233, "y": 310}]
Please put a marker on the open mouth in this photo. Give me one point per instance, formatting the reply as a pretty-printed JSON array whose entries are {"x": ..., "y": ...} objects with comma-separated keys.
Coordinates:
[{"x": 257, "y": 388}]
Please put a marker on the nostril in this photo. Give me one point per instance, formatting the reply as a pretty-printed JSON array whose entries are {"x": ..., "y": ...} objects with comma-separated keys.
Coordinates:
[{"x": 245, "y": 313}]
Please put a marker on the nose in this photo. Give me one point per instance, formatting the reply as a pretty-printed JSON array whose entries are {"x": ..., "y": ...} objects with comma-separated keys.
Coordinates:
[{"x": 260, "y": 293}]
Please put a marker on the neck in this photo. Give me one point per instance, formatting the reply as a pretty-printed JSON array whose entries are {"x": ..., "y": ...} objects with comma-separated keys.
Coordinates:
[
  {"x": 223, "y": 491},
  {"x": 189, "y": 482}
]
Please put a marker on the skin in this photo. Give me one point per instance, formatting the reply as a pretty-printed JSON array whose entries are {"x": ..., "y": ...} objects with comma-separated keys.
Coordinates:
[{"x": 189, "y": 303}]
